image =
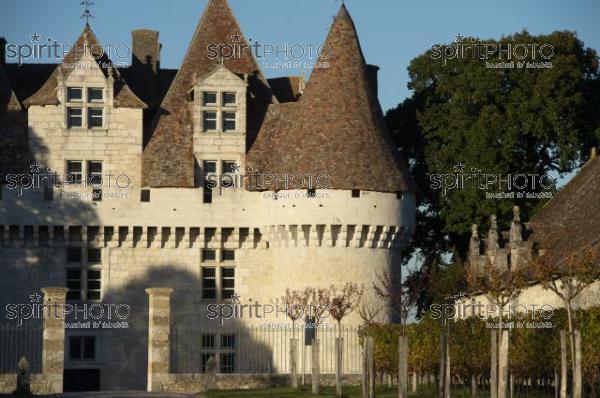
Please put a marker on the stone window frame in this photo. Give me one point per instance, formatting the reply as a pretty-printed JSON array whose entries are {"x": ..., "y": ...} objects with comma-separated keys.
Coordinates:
[
  {"x": 82, "y": 338},
  {"x": 83, "y": 266},
  {"x": 84, "y": 104},
  {"x": 85, "y": 172},
  {"x": 220, "y": 109},
  {"x": 218, "y": 264}
]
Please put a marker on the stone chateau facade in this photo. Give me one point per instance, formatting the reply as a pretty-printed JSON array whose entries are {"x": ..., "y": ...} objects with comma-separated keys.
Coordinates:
[{"x": 132, "y": 154}]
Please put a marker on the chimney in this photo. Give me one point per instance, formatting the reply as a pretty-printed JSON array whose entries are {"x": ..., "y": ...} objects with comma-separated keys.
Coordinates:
[
  {"x": 372, "y": 78},
  {"x": 2, "y": 50},
  {"x": 146, "y": 49}
]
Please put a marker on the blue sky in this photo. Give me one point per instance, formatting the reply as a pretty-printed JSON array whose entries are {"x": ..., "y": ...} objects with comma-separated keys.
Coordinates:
[{"x": 392, "y": 32}]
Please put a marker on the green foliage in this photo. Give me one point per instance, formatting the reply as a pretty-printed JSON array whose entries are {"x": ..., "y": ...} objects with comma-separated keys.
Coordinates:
[
  {"x": 499, "y": 121},
  {"x": 534, "y": 351}
]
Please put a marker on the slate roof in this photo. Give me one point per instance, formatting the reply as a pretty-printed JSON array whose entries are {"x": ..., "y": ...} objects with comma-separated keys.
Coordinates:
[{"x": 337, "y": 126}]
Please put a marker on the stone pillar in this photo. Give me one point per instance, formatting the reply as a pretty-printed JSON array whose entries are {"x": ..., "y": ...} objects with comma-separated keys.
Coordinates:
[
  {"x": 403, "y": 367},
  {"x": 53, "y": 345},
  {"x": 159, "y": 333}
]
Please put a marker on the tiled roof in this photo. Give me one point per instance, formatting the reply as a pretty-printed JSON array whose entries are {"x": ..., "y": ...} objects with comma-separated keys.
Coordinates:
[
  {"x": 47, "y": 94},
  {"x": 337, "y": 126},
  {"x": 168, "y": 155},
  {"x": 287, "y": 89},
  {"x": 570, "y": 221}
]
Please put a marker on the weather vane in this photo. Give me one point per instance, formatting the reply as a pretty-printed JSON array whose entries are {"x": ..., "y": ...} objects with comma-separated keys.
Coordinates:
[{"x": 87, "y": 14}]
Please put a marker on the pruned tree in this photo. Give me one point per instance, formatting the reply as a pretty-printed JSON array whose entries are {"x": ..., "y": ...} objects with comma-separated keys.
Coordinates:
[
  {"x": 567, "y": 278},
  {"x": 295, "y": 302},
  {"x": 395, "y": 294},
  {"x": 343, "y": 301}
]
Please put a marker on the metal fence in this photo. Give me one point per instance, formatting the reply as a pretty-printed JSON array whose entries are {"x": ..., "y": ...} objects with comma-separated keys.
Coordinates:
[
  {"x": 20, "y": 341},
  {"x": 255, "y": 349}
]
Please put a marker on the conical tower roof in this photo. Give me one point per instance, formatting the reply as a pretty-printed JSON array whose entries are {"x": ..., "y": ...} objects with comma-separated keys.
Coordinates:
[
  {"x": 337, "y": 127},
  {"x": 168, "y": 155}
]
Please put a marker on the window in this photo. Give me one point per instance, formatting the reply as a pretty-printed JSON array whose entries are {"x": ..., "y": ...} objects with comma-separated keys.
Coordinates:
[
  {"x": 96, "y": 194},
  {"x": 229, "y": 166},
  {"x": 207, "y": 194},
  {"x": 227, "y": 255},
  {"x": 74, "y": 117},
  {"x": 209, "y": 121},
  {"x": 94, "y": 256},
  {"x": 208, "y": 341},
  {"x": 145, "y": 195},
  {"x": 228, "y": 362},
  {"x": 74, "y": 171},
  {"x": 82, "y": 348},
  {"x": 209, "y": 98},
  {"x": 210, "y": 166},
  {"x": 74, "y": 94},
  {"x": 95, "y": 117},
  {"x": 94, "y": 169},
  {"x": 93, "y": 284},
  {"x": 209, "y": 283},
  {"x": 356, "y": 193},
  {"x": 228, "y": 121},
  {"x": 84, "y": 280},
  {"x": 311, "y": 193},
  {"x": 204, "y": 357},
  {"x": 74, "y": 255},
  {"x": 228, "y": 341},
  {"x": 228, "y": 99},
  {"x": 95, "y": 94},
  {"x": 208, "y": 255},
  {"x": 74, "y": 284},
  {"x": 227, "y": 282}
]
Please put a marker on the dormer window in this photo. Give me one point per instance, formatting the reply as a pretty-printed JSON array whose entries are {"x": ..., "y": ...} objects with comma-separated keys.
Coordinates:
[
  {"x": 228, "y": 99},
  {"x": 95, "y": 117},
  {"x": 74, "y": 117},
  {"x": 74, "y": 94},
  {"x": 228, "y": 121},
  {"x": 89, "y": 108},
  {"x": 209, "y": 120},
  {"x": 95, "y": 94},
  {"x": 209, "y": 98}
]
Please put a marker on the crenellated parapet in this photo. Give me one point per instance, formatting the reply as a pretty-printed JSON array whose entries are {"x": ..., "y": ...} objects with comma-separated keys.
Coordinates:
[{"x": 505, "y": 251}]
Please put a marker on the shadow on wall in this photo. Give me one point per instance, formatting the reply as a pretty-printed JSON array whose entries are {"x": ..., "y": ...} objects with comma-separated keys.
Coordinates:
[
  {"x": 194, "y": 337},
  {"x": 34, "y": 236}
]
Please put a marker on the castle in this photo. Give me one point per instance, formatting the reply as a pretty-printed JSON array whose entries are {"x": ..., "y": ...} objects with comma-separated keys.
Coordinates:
[{"x": 211, "y": 180}]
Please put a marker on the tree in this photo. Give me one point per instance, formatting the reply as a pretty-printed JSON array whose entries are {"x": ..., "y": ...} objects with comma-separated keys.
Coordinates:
[
  {"x": 567, "y": 278},
  {"x": 343, "y": 301},
  {"x": 295, "y": 302},
  {"x": 499, "y": 121}
]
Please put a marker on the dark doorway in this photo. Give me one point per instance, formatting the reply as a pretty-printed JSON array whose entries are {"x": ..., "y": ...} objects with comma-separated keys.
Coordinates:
[{"x": 81, "y": 380}]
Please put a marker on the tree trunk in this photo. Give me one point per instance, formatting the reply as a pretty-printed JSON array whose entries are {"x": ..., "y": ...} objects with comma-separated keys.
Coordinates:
[
  {"x": 494, "y": 370},
  {"x": 577, "y": 385},
  {"x": 473, "y": 386},
  {"x": 338, "y": 366},
  {"x": 503, "y": 365},
  {"x": 442, "y": 378},
  {"x": 316, "y": 367},
  {"x": 563, "y": 364}
]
